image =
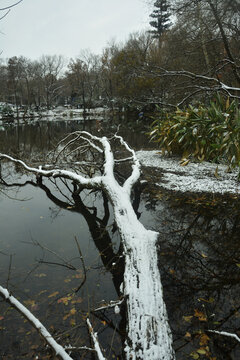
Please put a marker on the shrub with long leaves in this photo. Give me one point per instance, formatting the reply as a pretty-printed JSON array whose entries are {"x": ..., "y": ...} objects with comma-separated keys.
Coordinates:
[{"x": 206, "y": 133}]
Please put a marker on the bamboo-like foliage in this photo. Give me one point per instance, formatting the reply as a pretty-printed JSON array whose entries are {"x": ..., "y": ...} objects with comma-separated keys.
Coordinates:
[{"x": 206, "y": 133}]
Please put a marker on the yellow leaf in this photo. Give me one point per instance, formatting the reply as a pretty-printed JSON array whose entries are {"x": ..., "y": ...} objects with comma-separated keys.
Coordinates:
[
  {"x": 200, "y": 315},
  {"x": 53, "y": 294},
  {"x": 210, "y": 300},
  {"x": 30, "y": 302},
  {"x": 184, "y": 163},
  {"x": 204, "y": 255},
  {"x": 104, "y": 322},
  {"x": 66, "y": 316},
  {"x": 187, "y": 318},
  {"x": 194, "y": 355},
  {"x": 77, "y": 301},
  {"x": 34, "y": 347},
  {"x": 73, "y": 311},
  {"x": 72, "y": 322},
  {"x": 201, "y": 351},
  {"x": 238, "y": 265},
  {"x": 42, "y": 292},
  {"x": 67, "y": 280},
  {"x": 204, "y": 339},
  {"x": 188, "y": 335},
  {"x": 64, "y": 300},
  {"x": 172, "y": 272}
]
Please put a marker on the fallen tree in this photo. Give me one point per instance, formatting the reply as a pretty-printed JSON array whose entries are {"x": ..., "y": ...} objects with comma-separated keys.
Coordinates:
[{"x": 88, "y": 161}]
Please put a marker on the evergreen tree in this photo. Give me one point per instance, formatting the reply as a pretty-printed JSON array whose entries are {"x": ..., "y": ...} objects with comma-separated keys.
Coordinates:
[{"x": 161, "y": 15}]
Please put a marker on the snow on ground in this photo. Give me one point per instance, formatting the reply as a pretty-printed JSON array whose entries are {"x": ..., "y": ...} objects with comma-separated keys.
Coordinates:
[{"x": 195, "y": 177}]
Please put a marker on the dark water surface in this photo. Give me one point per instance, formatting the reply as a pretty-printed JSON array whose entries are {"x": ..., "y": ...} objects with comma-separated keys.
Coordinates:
[{"x": 52, "y": 244}]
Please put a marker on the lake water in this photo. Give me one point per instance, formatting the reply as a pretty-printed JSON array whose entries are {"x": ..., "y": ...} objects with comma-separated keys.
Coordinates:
[{"x": 60, "y": 255}]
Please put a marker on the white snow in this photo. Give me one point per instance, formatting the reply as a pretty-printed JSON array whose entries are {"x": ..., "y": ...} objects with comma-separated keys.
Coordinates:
[
  {"x": 95, "y": 341},
  {"x": 194, "y": 177},
  {"x": 36, "y": 323},
  {"x": 224, "y": 333},
  {"x": 117, "y": 309}
]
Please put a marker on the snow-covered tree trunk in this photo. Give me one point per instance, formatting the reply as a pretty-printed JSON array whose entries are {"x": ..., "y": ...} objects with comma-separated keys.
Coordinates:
[
  {"x": 148, "y": 331},
  {"x": 149, "y": 335}
]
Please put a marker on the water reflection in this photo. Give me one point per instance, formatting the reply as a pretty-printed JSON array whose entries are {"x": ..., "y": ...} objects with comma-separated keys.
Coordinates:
[
  {"x": 199, "y": 258},
  {"x": 199, "y": 255},
  {"x": 97, "y": 218},
  {"x": 42, "y": 136}
]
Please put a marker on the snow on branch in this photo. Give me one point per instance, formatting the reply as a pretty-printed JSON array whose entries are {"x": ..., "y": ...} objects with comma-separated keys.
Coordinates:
[
  {"x": 70, "y": 146},
  {"x": 89, "y": 183},
  {"x": 212, "y": 83},
  {"x": 133, "y": 178},
  {"x": 194, "y": 76},
  {"x": 224, "y": 333},
  {"x": 113, "y": 304},
  {"x": 95, "y": 341},
  {"x": 58, "y": 349}
]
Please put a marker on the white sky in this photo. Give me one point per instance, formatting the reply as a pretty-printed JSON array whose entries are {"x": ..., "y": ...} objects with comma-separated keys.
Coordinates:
[{"x": 65, "y": 27}]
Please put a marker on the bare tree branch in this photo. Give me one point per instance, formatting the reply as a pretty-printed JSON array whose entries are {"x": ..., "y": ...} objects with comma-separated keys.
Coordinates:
[
  {"x": 58, "y": 349},
  {"x": 5, "y": 15},
  {"x": 95, "y": 341},
  {"x": 224, "y": 333},
  {"x": 11, "y": 6}
]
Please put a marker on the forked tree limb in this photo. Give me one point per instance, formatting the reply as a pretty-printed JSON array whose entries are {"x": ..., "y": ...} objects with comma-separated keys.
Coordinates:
[{"x": 148, "y": 333}]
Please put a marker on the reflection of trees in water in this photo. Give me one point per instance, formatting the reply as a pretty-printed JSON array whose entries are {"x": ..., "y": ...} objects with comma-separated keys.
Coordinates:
[
  {"x": 199, "y": 257},
  {"x": 38, "y": 138},
  {"x": 71, "y": 199},
  {"x": 200, "y": 263}
]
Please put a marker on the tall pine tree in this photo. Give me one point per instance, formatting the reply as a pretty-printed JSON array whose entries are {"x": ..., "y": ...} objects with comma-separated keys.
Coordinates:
[{"x": 161, "y": 18}]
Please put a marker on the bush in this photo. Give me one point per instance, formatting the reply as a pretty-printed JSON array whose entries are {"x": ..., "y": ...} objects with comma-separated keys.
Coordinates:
[{"x": 207, "y": 133}]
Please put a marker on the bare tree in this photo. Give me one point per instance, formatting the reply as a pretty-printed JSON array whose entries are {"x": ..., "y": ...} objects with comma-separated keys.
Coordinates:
[
  {"x": 83, "y": 79},
  {"x": 50, "y": 69}
]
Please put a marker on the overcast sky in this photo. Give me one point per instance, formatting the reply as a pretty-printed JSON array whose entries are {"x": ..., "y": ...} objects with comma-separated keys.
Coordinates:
[{"x": 65, "y": 27}]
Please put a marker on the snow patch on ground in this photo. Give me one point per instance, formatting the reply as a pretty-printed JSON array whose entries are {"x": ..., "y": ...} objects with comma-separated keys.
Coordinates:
[{"x": 195, "y": 177}]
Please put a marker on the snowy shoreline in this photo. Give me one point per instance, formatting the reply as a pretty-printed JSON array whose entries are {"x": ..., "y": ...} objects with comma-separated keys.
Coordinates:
[
  {"x": 194, "y": 177},
  {"x": 58, "y": 112}
]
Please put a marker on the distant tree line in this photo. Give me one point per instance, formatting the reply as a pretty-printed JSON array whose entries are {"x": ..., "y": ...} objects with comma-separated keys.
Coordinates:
[{"x": 191, "y": 53}]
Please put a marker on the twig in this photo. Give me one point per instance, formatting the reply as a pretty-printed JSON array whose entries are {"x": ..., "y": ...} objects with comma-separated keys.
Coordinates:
[
  {"x": 83, "y": 264},
  {"x": 109, "y": 306},
  {"x": 5, "y": 14},
  {"x": 65, "y": 263},
  {"x": 95, "y": 341},
  {"x": 70, "y": 267},
  {"x": 224, "y": 333},
  {"x": 70, "y": 348},
  {"x": 10, "y": 6}
]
